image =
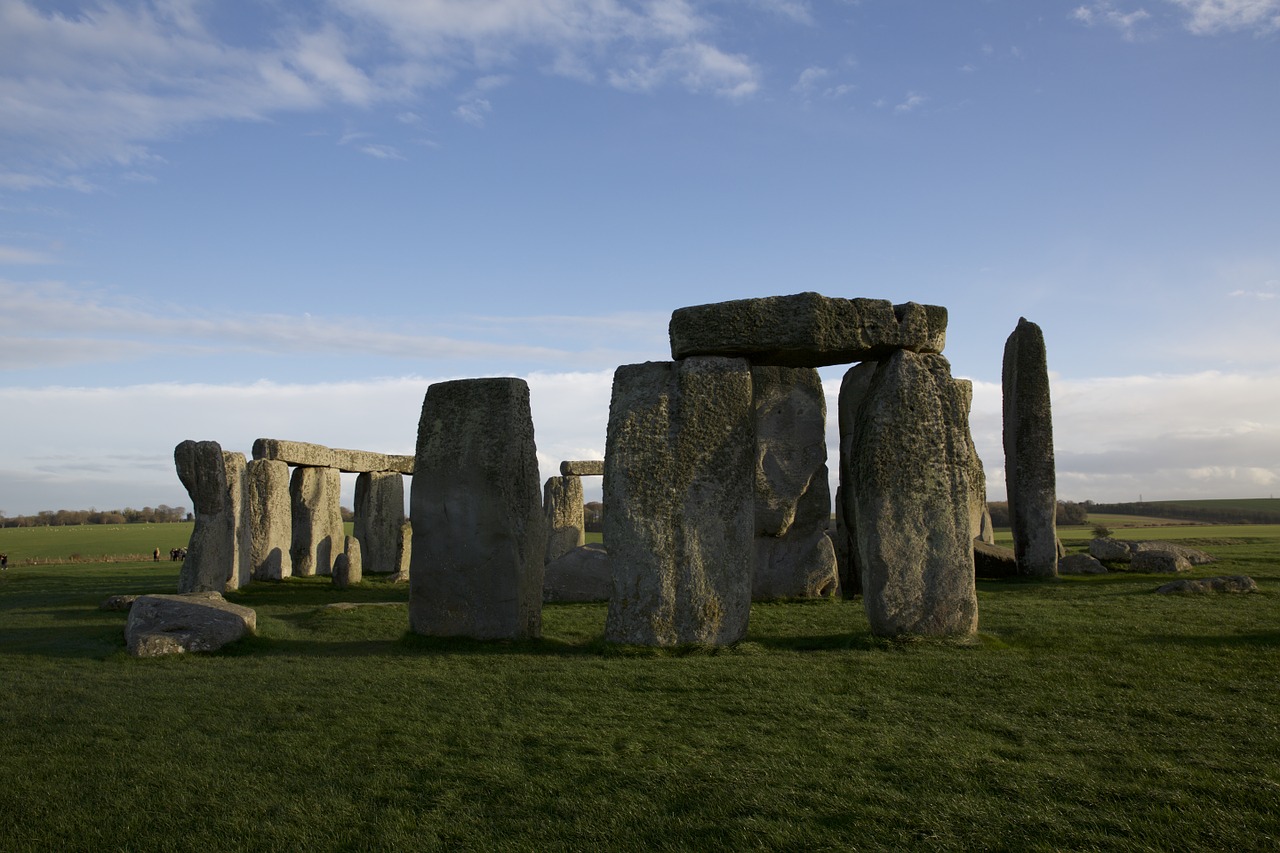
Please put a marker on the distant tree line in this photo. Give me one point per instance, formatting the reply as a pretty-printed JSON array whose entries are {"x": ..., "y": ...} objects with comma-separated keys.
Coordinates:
[
  {"x": 161, "y": 514},
  {"x": 1069, "y": 512},
  {"x": 1220, "y": 514}
]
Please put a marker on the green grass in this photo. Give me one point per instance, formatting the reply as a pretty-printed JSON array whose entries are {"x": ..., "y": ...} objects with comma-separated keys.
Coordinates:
[
  {"x": 1091, "y": 714},
  {"x": 93, "y": 541}
]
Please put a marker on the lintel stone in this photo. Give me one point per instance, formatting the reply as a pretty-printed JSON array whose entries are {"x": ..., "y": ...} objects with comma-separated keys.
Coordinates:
[
  {"x": 582, "y": 468},
  {"x": 302, "y": 454}
]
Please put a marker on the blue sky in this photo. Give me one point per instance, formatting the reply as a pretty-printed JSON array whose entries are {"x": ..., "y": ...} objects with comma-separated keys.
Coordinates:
[{"x": 232, "y": 220}]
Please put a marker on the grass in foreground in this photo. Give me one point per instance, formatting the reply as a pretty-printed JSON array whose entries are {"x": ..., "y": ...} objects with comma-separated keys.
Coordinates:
[{"x": 1091, "y": 714}]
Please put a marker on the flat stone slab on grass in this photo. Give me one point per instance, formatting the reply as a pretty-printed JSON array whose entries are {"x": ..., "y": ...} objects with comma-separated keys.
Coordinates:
[
  {"x": 583, "y": 574},
  {"x": 190, "y": 622},
  {"x": 806, "y": 329},
  {"x": 1159, "y": 562},
  {"x": 1080, "y": 564},
  {"x": 991, "y": 561},
  {"x": 1229, "y": 583}
]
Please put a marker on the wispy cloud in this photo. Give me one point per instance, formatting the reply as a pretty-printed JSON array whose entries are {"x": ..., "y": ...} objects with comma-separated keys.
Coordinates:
[
  {"x": 1104, "y": 13},
  {"x": 1210, "y": 17},
  {"x": 910, "y": 103},
  {"x": 15, "y": 255}
]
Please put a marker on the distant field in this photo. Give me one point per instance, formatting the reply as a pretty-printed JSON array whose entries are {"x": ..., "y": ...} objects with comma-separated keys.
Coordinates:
[{"x": 93, "y": 541}]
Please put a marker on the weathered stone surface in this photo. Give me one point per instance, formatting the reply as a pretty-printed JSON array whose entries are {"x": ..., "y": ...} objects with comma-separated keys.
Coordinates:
[
  {"x": 318, "y": 456},
  {"x": 992, "y": 562},
  {"x": 1229, "y": 583},
  {"x": 1123, "y": 550},
  {"x": 1111, "y": 550},
  {"x": 840, "y": 545},
  {"x": 1030, "y": 477},
  {"x": 909, "y": 480},
  {"x": 582, "y": 468},
  {"x": 215, "y": 482},
  {"x": 853, "y": 390},
  {"x": 582, "y": 574},
  {"x": 118, "y": 602},
  {"x": 1080, "y": 564},
  {"x": 479, "y": 536},
  {"x": 268, "y": 519},
  {"x": 405, "y": 551},
  {"x": 1159, "y": 562},
  {"x": 979, "y": 512},
  {"x": 318, "y": 533},
  {"x": 1194, "y": 556},
  {"x": 562, "y": 507},
  {"x": 348, "y": 568},
  {"x": 379, "y": 517},
  {"x": 191, "y": 622},
  {"x": 806, "y": 329},
  {"x": 794, "y": 557},
  {"x": 679, "y": 497}
]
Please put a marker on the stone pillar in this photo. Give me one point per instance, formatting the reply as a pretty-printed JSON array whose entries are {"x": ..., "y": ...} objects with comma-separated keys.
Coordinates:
[
  {"x": 853, "y": 390},
  {"x": 348, "y": 567},
  {"x": 479, "y": 537},
  {"x": 268, "y": 519},
  {"x": 679, "y": 498},
  {"x": 910, "y": 486},
  {"x": 979, "y": 512},
  {"x": 379, "y": 515},
  {"x": 562, "y": 506},
  {"x": 1030, "y": 478},
  {"x": 794, "y": 557},
  {"x": 403, "y": 551},
  {"x": 241, "y": 567},
  {"x": 318, "y": 532},
  {"x": 215, "y": 483}
]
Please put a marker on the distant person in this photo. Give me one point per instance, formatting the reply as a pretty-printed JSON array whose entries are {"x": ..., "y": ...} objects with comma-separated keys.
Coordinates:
[
  {"x": 4, "y": 561},
  {"x": 155, "y": 555}
]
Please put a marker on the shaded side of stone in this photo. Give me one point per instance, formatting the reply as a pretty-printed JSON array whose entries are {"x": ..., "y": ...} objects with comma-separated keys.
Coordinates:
[
  {"x": 479, "y": 537},
  {"x": 268, "y": 519},
  {"x": 562, "y": 507},
  {"x": 379, "y": 516},
  {"x": 806, "y": 329},
  {"x": 911, "y": 489},
  {"x": 794, "y": 557},
  {"x": 318, "y": 533},
  {"x": 1030, "y": 478},
  {"x": 582, "y": 468},
  {"x": 192, "y": 622},
  {"x": 679, "y": 497},
  {"x": 213, "y": 552},
  {"x": 348, "y": 568},
  {"x": 404, "y": 551},
  {"x": 979, "y": 512},
  {"x": 582, "y": 574},
  {"x": 993, "y": 562},
  {"x": 853, "y": 390}
]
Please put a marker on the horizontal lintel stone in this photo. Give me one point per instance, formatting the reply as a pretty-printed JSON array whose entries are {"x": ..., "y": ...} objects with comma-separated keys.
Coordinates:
[
  {"x": 807, "y": 330},
  {"x": 302, "y": 454},
  {"x": 582, "y": 468}
]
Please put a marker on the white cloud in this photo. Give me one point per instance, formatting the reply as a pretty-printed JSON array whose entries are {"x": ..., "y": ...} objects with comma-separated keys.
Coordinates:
[
  {"x": 382, "y": 152},
  {"x": 14, "y": 255},
  {"x": 1210, "y": 17},
  {"x": 910, "y": 103},
  {"x": 1106, "y": 14}
]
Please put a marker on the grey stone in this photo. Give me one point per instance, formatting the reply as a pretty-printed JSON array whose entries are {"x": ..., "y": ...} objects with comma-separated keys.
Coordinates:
[
  {"x": 1229, "y": 583},
  {"x": 992, "y": 561},
  {"x": 1123, "y": 550},
  {"x": 582, "y": 574},
  {"x": 806, "y": 329},
  {"x": 840, "y": 545},
  {"x": 1194, "y": 556},
  {"x": 1030, "y": 478},
  {"x": 1111, "y": 550},
  {"x": 404, "y": 551},
  {"x": 910, "y": 483},
  {"x": 192, "y": 622},
  {"x": 853, "y": 390},
  {"x": 118, "y": 602},
  {"x": 562, "y": 507},
  {"x": 1157, "y": 562},
  {"x": 318, "y": 456},
  {"x": 268, "y": 519},
  {"x": 215, "y": 483},
  {"x": 794, "y": 557},
  {"x": 679, "y": 496},
  {"x": 479, "y": 536},
  {"x": 318, "y": 532},
  {"x": 348, "y": 568},
  {"x": 979, "y": 513},
  {"x": 582, "y": 468},
  {"x": 379, "y": 517},
  {"x": 1080, "y": 564}
]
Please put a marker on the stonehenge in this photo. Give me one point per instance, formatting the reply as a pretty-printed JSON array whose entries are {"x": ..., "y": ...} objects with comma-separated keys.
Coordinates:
[{"x": 715, "y": 487}]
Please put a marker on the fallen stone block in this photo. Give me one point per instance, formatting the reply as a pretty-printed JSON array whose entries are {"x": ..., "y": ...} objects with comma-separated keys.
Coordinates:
[
  {"x": 190, "y": 622},
  {"x": 1228, "y": 583},
  {"x": 1157, "y": 562},
  {"x": 1080, "y": 564},
  {"x": 582, "y": 574},
  {"x": 993, "y": 562}
]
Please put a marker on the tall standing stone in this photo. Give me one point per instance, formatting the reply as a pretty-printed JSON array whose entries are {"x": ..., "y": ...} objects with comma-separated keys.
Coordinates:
[
  {"x": 215, "y": 485},
  {"x": 794, "y": 556},
  {"x": 1030, "y": 478},
  {"x": 562, "y": 506},
  {"x": 910, "y": 485},
  {"x": 979, "y": 513},
  {"x": 318, "y": 533},
  {"x": 679, "y": 498},
  {"x": 267, "y": 518},
  {"x": 479, "y": 537},
  {"x": 853, "y": 390},
  {"x": 379, "y": 515}
]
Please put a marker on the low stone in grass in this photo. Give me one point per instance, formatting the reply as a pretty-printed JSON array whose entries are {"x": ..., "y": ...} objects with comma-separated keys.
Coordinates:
[
  {"x": 582, "y": 574},
  {"x": 1159, "y": 562},
  {"x": 1111, "y": 550},
  {"x": 1228, "y": 583},
  {"x": 993, "y": 561},
  {"x": 348, "y": 569},
  {"x": 118, "y": 602},
  {"x": 1080, "y": 564},
  {"x": 191, "y": 622}
]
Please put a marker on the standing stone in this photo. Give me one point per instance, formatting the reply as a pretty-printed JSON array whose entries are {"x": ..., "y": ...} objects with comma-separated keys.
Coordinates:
[
  {"x": 215, "y": 485},
  {"x": 794, "y": 557},
  {"x": 347, "y": 569},
  {"x": 479, "y": 537},
  {"x": 267, "y": 518},
  {"x": 379, "y": 515},
  {"x": 910, "y": 485},
  {"x": 562, "y": 506},
  {"x": 241, "y": 566},
  {"x": 1028, "y": 452},
  {"x": 403, "y": 552},
  {"x": 979, "y": 513},
  {"x": 317, "y": 520},
  {"x": 853, "y": 390},
  {"x": 679, "y": 499}
]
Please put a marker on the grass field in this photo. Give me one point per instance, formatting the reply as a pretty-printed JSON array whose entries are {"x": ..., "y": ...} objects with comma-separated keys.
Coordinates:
[{"x": 1091, "y": 714}]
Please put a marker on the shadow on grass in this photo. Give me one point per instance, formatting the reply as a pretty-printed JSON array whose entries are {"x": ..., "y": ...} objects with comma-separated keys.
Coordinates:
[{"x": 1250, "y": 639}]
